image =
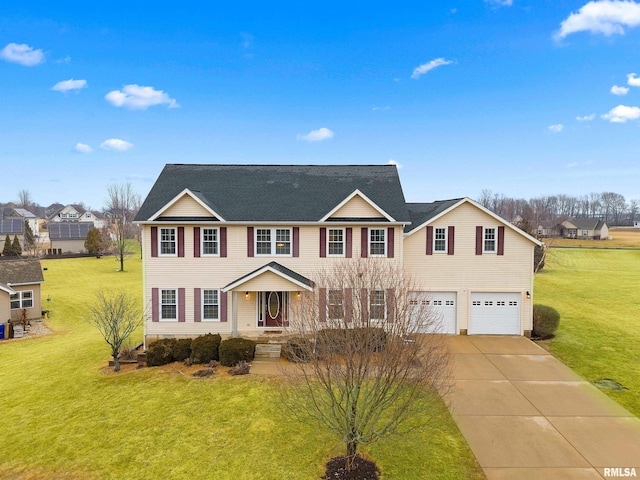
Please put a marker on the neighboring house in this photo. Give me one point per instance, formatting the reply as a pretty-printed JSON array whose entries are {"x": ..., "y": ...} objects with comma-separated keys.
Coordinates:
[
  {"x": 12, "y": 227},
  {"x": 76, "y": 213},
  {"x": 228, "y": 248},
  {"x": 583, "y": 228},
  {"x": 68, "y": 237},
  {"x": 546, "y": 230},
  {"x": 20, "y": 282}
]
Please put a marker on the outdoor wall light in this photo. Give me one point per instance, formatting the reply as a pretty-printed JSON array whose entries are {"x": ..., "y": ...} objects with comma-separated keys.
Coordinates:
[
  {"x": 528, "y": 294},
  {"x": 246, "y": 294}
]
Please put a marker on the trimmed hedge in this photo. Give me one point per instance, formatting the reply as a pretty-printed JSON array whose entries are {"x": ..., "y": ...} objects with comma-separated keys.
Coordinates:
[
  {"x": 297, "y": 350},
  {"x": 160, "y": 352},
  {"x": 182, "y": 349},
  {"x": 545, "y": 320},
  {"x": 205, "y": 348},
  {"x": 235, "y": 350}
]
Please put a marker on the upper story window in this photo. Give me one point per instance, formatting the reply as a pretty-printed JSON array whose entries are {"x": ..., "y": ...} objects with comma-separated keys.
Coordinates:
[
  {"x": 168, "y": 304},
  {"x": 273, "y": 241},
  {"x": 490, "y": 240},
  {"x": 209, "y": 241},
  {"x": 168, "y": 241},
  {"x": 440, "y": 239},
  {"x": 377, "y": 242},
  {"x": 22, "y": 299},
  {"x": 335, "y": 242}
]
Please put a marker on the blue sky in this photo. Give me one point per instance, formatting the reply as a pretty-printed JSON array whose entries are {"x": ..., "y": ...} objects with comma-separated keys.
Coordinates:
[{"x": 524, "y": 98}]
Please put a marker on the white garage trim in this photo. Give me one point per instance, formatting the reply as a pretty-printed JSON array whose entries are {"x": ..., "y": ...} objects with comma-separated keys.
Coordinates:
[
  {"x": 495, "y": 313},
  {"x": 441, "y": 306}
]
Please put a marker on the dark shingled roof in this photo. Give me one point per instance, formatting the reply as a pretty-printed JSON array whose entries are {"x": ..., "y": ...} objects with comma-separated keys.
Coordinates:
[
  {"x": 423, "y": 212},
  {"x": 69, "y": 231},
  {"x": 19, "y": 271},
  {"x": 287, "y": 272},
  {"x": 278, "y": 193},
  {"x": 587, "y": 223}
]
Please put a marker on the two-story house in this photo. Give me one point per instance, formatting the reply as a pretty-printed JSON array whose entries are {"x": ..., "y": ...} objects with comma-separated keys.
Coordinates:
[{"x": 228, "y": 248}]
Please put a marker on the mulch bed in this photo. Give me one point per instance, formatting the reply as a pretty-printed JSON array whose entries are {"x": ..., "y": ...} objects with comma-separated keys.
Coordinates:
[{"x": 364, "y": 470}]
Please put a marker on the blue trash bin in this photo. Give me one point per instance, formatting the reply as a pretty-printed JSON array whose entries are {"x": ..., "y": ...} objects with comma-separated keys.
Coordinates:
[{"x": 1, "y": 331}]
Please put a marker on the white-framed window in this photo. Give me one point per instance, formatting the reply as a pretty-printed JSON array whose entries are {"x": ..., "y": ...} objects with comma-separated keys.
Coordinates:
[
  {"x": 377, "y": 242},
  {"x": 377, "y": 305},
  {"x": 273, "y": 241},
  {"x": 335, "y": 304},
  {"x": 490, "y": 240},
  {"x": 209, "y": 242},
  {"x": 210, "y": 305},
  {"x": 169, "y": 304},
  {"x": 335, "y": 242},
  {"x": 22, "y": 299},
  {"x": 167, "y": 239},
  {"x": 585, "y": 233},
  {"x": 440, "y": 239}
]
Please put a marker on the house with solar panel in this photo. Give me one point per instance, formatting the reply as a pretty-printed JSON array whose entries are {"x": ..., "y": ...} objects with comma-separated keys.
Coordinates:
[{"x": 230, "y": 248}]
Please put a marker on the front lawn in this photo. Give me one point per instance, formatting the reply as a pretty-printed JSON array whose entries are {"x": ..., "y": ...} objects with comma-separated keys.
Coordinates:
[
  {"x": 65, "y": 416},
  {"x": 596, "y": 293}
]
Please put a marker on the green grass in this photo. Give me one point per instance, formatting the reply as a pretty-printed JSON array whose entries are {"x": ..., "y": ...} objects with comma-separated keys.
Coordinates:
[
  {"x": 596, "y": 293},
  {"x": 65, "y": 417}
]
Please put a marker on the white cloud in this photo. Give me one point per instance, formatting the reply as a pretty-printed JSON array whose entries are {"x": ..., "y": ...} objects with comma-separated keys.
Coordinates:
[
  {"x": 616, "y": 90},
  {"x": 555, "y": 128},
  {"x": 622, "y": 113},
  {"x": 381, "y": 109},
  {"x": 83, "y": 148},
  {"x": 316, "y": 135},
  {"x": 22, "y": 54},
  {"x": 426, "y": 67},
  {"x": 632, "y": 80},
  {"x": 70, "y": 84},
  {"x": 586, "y": 118},
  {"x": 393, "y": 162},
  {"x": 116, "y": 144},
  {"x": 247, "y": 39},
  {"x": 137, "y": 97},
  {"x": 608, "y": 17},
  {"x": 499, "y": 3}
]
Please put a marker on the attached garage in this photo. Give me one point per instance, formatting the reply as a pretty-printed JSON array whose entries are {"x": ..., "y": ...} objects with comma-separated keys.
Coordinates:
[
  {"x": 495, "y": 314},
  {"x": 441, "y": 304}
]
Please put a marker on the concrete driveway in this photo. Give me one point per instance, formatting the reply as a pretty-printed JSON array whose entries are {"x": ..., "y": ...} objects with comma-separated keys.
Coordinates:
[{"x": 528, "y": 416}]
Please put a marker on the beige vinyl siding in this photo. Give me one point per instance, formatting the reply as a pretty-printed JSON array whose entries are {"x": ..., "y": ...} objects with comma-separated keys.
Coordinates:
[
  {"x": 33, "y": 312},
  {"x": 186, "y": 207},
  {"x": 357, "y": 207},
  {"x": 216, "y": 272},
  {"x": 465, "y": 272},
  {"x": 74, "y": 246},
  {"x": 5, "y": 307}
]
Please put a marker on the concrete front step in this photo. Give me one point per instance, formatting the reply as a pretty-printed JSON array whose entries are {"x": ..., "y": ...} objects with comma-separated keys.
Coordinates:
[{"x": 268, "y": 350}]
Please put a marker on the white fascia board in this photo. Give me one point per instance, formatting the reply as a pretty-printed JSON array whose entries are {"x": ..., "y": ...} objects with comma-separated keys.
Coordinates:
[
  {"x": 365, "y": 198},
  {"x": 436, "y": 217},
  {"x": 264, "y": 269},
  {"x": 175, "y": 199}
]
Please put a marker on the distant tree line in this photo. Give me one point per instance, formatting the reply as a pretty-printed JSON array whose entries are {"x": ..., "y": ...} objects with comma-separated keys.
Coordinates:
[{"x": 608, "y": 206}]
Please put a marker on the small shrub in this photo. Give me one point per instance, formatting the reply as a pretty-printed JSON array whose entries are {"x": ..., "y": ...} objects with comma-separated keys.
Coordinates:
[
  {"x": 297, "y": 350},
  {"x": 235, "y": 350},
  {"x": 242, "y": 368},
  {"x": 205, "y": 348},
  {"x": 182, "y": 349},
  {"x": 160, "y": 352},
  {"x": 545, "y": 320}
]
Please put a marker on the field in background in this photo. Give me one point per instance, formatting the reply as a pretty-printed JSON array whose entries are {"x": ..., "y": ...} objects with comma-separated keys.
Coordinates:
[
  {"x": 596, "y": 293},
  {"x": 65, "y": 416},
  {"x": 622, "y": 237}
]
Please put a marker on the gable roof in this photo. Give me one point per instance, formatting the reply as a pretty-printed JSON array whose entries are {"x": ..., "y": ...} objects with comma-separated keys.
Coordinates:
[
  {"x": 279, "y": 270},
  {"x": 69, "y": 230},
  {"x": 276, "y": 193},
  {"x": 425, "y": 213},
  {"x": 421, "y": 213},
  {"x": 586, "y": 223},
  {"x": 12, "y": 226},
  {"x": 20, "y": 272}
]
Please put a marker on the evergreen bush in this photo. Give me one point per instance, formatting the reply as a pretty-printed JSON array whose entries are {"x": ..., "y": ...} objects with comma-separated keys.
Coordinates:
[
  {"x": 545, "y": 320},
  {"x": 235, "y": 350},
  {"x": 205, "y": 348}
]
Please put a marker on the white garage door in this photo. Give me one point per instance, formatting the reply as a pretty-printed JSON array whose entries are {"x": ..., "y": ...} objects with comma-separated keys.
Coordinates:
[
  {"x": 495, "y": 313},
  {"x": 441, "y": 305}
]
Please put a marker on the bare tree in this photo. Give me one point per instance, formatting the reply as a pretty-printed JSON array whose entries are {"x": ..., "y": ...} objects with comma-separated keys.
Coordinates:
[
  {"x": 361, "y": 366},
  {"x": 24, "y": 200},
  {"x": 123, "y": 204},
  {"x": 116, "y": 316}
]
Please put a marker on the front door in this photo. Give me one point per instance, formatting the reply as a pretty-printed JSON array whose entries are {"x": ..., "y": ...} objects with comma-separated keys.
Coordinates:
[{"x": 273, "y": 309}]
